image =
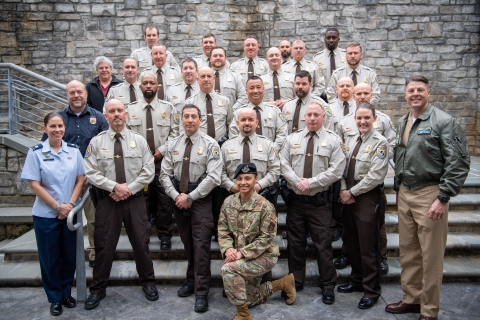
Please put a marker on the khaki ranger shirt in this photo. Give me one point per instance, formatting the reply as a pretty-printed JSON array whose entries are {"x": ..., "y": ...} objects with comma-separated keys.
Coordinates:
[
  {"x": 328, "y": 159},
  {"x": 364, "y": 74},
  {"x": 371, "y": 164},
  {"x": 262, "y": 153},
  {"x": 336, "y": 108},
  {"x": 384, "y": 125},
  {"x": 289, "y": 111},
  {"x": 260, "y": 67},
  {"x": 222, "y": 112},
  {"x": 122, "y": 92},
  {"x": 322, "y": 59},
  {"x": 318, "y": 80},
  {"x": 249, "y": 228},
  {"x": 143, "y": 56},
  {"x": 285, "y": 81},
  {"x": 205, "y": 162},
  {"x": 100, "y": 162},
  {"x": 165, "y": 119},
  {"x": 170, "y": 75},
  {"x": 201, "y": 61},
  {"x": 176, "y": 94},
  {"x": 273, "y": 124},
  {"x": 232, "y": 87}
]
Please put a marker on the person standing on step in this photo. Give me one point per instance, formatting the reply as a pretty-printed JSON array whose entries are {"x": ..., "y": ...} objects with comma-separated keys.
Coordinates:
[
  {"x": 54, "y": 170},
  {"x": 205, "y": 60},
  {"x": 98, "y": 88},
  {"x": 181, "y": 91},
  {"x": 431, "y": 164},
  {"x": 129, "y": 90}
]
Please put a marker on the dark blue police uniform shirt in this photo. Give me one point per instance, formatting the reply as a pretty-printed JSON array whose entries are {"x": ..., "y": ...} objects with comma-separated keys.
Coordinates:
[{"x": 81, "y": 129}]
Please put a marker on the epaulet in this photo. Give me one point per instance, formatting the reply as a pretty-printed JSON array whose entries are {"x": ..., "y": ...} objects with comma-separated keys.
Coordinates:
[
  {"x": 103, "y": 132},
  {"x": 172, "y": 67},
  {"x": 261, "y": 59},
  {"x": 367, "y": 68},
  {"x": 331, "y": 103},
  {"x": 133, "y": 103},
  {"x": 139, "y": 49},
  {"x": 338, "y": 70},
  {"x": 207, "y": 137},
  {"x": 148, "y": 68},
  {"x": 72, "y": 145},
  {"x": 177, "y": 84},
  {"x": 380, "y": 113},
  {"x": 222, "y": 96},
  {"x": 348, "y": 115},
  {"x": 287, "y": 63},
  {"x": 330, "y": 131},
  {"x": 291, "y": 100},
  {"x": 343, "y": 50},
  {"x": 263, "y": 137},
  {"x": 36, "y": 147},
  {"x": 135, "y": 132},
  {"x": 117, "y": 85}
]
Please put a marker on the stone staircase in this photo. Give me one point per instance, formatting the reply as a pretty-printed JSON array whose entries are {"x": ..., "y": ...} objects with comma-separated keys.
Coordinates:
[{"x": 20, "y": 266}]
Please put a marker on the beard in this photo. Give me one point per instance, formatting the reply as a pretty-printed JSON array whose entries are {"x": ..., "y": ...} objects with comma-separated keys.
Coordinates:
[
  {"x": 149, "y": 95},
  {"x": 286, "y": 55}
]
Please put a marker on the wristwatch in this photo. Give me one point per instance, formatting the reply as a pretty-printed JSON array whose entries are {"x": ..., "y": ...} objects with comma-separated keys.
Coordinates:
[
  {"x": 59, "y": 206},
  {"x": 72, "y": 203},
  {"x": 443, "y": 198},
  {"x": 349, "y": 191},
  {"x": 189, "y": 199}
]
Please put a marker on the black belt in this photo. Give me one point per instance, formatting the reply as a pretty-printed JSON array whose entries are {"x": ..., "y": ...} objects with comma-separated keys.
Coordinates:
[
  {"x": 379, "y": 186},
  {"x": 310, "y": 199}
]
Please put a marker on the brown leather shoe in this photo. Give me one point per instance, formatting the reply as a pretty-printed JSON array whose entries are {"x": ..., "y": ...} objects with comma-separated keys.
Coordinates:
[
  {"x": 401, "y": 307},
  {"x": 422, "y": 317}
]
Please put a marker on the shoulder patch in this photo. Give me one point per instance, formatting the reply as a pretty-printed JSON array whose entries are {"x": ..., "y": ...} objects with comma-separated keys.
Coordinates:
[
  {"x": 176, "y": 118},
  {"x": 73, "y": 145},
  {"x": 282, "y": 117},
  {"x": 37, "y": 146},
  {"x": 328, "y": 111},
  {"x": 89, "y": 151},
  {"x": 216, "y": 152},
  {"x": 344, "y": 149},
  {"x": 382, "y": 152},
  {"x": 394, "y": 127}
]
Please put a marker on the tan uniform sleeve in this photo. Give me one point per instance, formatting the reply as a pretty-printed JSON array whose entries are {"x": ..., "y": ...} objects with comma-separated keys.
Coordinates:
[
  {"x": 273, "y": 169},
  {"x": 335, "y": 168},
  {"x": 174, "y": 128},
  {"x": 167, "y": 172},
  {"x": 285, "y": 166},
  {"x": 147, "y": 173},
  {"x": 92, "y": 172},
  {"x": 214, "y": 172}
]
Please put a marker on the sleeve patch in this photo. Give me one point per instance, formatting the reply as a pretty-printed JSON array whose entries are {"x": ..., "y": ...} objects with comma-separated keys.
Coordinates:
[
  {"x": 382, "y": 152},
  {"x": 216, "y": 152},
  {"x": 89, "y": 151}
]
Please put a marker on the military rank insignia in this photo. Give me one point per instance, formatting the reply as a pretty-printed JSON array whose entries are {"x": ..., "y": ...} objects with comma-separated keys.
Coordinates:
[
  {"x": 382, "y": 152},
  {"x": 216, "y": 152}
]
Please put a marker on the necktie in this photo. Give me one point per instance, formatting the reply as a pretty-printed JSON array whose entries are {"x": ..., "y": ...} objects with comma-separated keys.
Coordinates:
[
  {"x": 119, "y": 163},
  {"x": 332, "y": 62},
  {"x": 133, "y": 97},
  {"x": 246, "y": 150},
  {"x": 354, "y": 77},
  {"x": 210, "y": 122},
  {"x": 345, "y": 108},
  {"x": 351, "y": 166},
  {"x": 217, "y": 82},
  {"x": 160, "y": 92},
  {"x": 296, "y": 115},
  {"x": 150, "y": 137},
  {"x": 276, "y": 87},
  {"x": 259, "y": 118},
  {"x": 209, "y": 63},
  {"x": 250, "y": 68},
  {"x": 189, "y": 92},
  {"x": 308, "y": 166},
  {"x": 186, "y": 166},
  {"x": 298, "y": 67}
]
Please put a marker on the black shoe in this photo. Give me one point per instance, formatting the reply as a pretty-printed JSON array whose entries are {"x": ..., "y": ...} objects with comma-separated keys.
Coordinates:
[
  {"x": 284, "y": 235},
  {"x": 201, "y": 304},
  {"x": 309, "y": 242},
  {"x": 224, "y": 294},
  {"x": 165, "y": 244},
  {"x": 348, "y": 288},
  {"x": 337, "y": 235},
  {"x": 366, "y": 303},
  {"x": 91, "y": 263},
  {"x": 328, "y": 296},
  {"x": 384, "y": 267},
  {"x": 297, "y": 288},
  {"x": 186, "y": 290},
  {"x": 151, "y": 292},
  {"x": 69, "y": 302},
  {"x": 93, "y": 300},
  {"x": 56, "y": 309},
  {"x": 341, "y": 263}
]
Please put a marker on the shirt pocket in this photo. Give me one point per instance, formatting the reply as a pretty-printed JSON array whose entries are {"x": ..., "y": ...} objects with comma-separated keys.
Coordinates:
[
  {"x": 105, "y": 161},
  {"x": 433, "y": 148},
  {"x": 362, "y": 164},
  {"x": 233, "y": 160},
  {"x": 133, "y": 162},
  {"x": 198, "y": 165},
  {"x": 220, "y": 115},
  {"x": 297, "y": 155},
  {"x": 163, "y": 126},
  {"x": 260, "y": 161},
  {"x": 322, "y": 158},
  {"x": 134, "y": 124}
]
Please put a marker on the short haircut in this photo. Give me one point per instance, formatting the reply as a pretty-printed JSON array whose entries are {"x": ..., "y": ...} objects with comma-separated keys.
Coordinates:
[
  {"x": 209, "y": 35},
  {"x": 159, "y": 45},
  {"x": 102, "y": 59},
  {"x": 254, "y": 78},
  {"x": 251, "y": 36},
  {"x": 332, "y": 29},
  {"x": 150, "y": 26},
  {"x": 354, "y": 44},
  {"x": 419, "y": 78},
  {"x": 222, "y": 48},
  {"x": 303, "y": 74},
  {"x": 366, "y": 105},
  {"x": 52, "y": 115},
  {"x": 299, "y": 40},
  {"x": 136, "y": 62},
  {"x": 192, "y": 106},
  {"x": 143, "y": 75},
  {"x": 190, "y": 60}
]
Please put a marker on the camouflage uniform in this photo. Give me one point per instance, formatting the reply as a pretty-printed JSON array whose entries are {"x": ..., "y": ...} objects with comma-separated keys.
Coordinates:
[{"x": 250, "y": 228}]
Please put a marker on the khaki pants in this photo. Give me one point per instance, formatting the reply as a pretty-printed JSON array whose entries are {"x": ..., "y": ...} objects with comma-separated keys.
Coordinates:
[
  {"x": 89, "y": 210},
  {"x": 422, "y": 246}
]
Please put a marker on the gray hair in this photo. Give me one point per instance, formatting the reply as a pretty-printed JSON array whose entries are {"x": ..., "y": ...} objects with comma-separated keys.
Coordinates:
[{"x": 101, "y": 59}]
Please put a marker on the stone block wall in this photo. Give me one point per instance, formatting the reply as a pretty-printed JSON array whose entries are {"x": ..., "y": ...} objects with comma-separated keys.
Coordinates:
[{"x": 437, "y": 38}]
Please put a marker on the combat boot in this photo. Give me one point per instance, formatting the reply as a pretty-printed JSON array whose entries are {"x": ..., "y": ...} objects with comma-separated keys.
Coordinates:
[
  {"x": 286, "y": 284},
  {"x": 243, "y": 313}
]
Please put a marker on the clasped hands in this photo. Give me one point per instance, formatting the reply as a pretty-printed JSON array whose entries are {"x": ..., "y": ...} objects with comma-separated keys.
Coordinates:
[
  {"x": 120, "y": 192},
  {"x": 232, "y": 255}
]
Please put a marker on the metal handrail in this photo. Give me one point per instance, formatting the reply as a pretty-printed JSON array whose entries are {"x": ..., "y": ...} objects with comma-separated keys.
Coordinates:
[
  {"x": 34, "y": 75},
  {"x": 81, "y": 278}
]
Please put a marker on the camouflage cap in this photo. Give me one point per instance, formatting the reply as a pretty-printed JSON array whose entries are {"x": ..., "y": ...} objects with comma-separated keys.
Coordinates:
[{"x": 245, "y": 168}]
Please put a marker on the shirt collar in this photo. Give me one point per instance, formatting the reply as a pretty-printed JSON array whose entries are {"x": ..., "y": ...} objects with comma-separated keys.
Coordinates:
[
  {"x": 194, "y": 136},
  {"x": 367, "y": 135},
  {"x": 426, "y": 114},
  {"x": 47, "y": 148},
  {"x": 86, "y": 110},
  {"x": 349, "y": 69},
  {"x": 279, "y": 71},
  {"x": 251, "y": 138},
  {"x": 306, "y": 132},
  {"x": 112, "y": 133},
  {"x": 251, "y": 105}
]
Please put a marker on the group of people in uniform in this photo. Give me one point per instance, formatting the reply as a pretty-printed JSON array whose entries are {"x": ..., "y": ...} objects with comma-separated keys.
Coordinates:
[{"x": 215, "y": 143}]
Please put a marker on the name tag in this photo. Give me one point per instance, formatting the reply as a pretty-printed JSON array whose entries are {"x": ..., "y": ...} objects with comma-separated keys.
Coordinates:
[{"x": 425, "y": 130}]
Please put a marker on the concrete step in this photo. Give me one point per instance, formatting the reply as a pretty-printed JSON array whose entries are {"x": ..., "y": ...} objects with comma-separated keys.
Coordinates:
[{"x": 173, "y": 271}]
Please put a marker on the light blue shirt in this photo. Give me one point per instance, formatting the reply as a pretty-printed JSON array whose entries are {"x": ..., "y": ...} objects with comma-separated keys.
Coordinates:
[{"x": 56, "y": 172}]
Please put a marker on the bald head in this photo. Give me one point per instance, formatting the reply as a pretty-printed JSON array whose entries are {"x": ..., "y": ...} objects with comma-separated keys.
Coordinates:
[
  {"x": 247, "y": 121},
  {"x": 76, "y": 96},
  {"x": 362, "y": 93},
  {"x": 344, "y": 89},
  {"x": 274, "y": 58}
]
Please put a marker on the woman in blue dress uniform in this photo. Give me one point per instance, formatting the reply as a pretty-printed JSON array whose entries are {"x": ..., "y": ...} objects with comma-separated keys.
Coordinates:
[{"x": 54, "y": 170}]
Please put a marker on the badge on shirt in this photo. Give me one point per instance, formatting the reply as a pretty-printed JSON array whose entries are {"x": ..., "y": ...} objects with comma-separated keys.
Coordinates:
[
  {"x": 348, "y": 129},
  {"x": 287, "y": 113},
  {"x": 219, "y": 103},
  {"x": 287, "y": 78},
  {"x": 200, "y": 150},
  {"x": 174, "y": 98},
  {"x": 307, "y": 68},
  {"x": 324, "y": 143},
  {"x": 269, "y": 115},
  {"x": 282, "y": 117},
  {"x": 382, "y": 152},
  {"x": 172, "y": 77},
  {"x": 164, "y": 115},
  {"x": 93, "y": 120},
  {"x": 260, "y": 148},
  {"x": 365, "y": 80},
  {"x": 232, "y": 151},
  {"x": 132, "y": 144},
  {"x": 175, "y": 152},
  {"x": 368, "y": 149},
  {"x": 394, "y": 128},
  {"x": 89, "y": 151},
  {"x": 216, "y": 152},
  {"x": 120, "y": 97},
  {"x": 69, "y": 158},
  {"x": 104, "y": 150},
  {"x": 296, "y": 146},
  {"x": 343, "y": 60},
  {"x": 176, "y": 118},
  {"x": 265, "y": 83},
  {"x": 344, "y": 149},
  {"x": 261, "y": 67},
  {"x": 375, "y": 125},
  {"x": 320, "y": 64},
  {"x": 328, "y": 111},
  {"x": 134, "y": 117},
  {"x": 229, "y": 79},
  {"x": 425, "y": 130},
  {"x": 181, "y": 80}
]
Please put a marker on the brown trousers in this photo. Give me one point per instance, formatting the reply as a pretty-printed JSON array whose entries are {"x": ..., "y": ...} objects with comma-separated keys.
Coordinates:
[
  {"x": 163, "y": 207},
  {"x": 362, "y": 230},
  {"x": 108, "y": 225},
  {"x": 196, "y": 235},
  {"x": 303, "y": 217}
]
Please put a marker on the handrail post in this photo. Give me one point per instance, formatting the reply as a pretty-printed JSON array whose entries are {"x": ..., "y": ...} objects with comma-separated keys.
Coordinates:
[
  {"x": 81, "y": 278},
  {"x": 10, "y": 102}
]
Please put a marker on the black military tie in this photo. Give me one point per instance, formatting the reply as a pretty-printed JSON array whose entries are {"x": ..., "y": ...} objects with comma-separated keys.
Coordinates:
[
  {"x": 209, "y": 63},
  {"x": 160, "y": 92},
  {"x": 133, "y": 97},
  {"x": 246, "y": 150},
  {"x": 308, "y": 165},
  {"x": 351, "y": 166},
  {"x": 298, "y": 67},
  {"x": 189, "y": 92},
  {"x": 276, "y": 87},
  {"x": 258, "y": 130},
  {"x": 296, "y": 115},
  {"x": 210, "y": 122},
  {"x": 250, "y": 68},
  {"x": 217, "y": 82},
  {"x": 119, "y": 163},
  {"x": 354, "y": 77},
  {"x": 186, "y": 166},
  {"x": 332, "y": 62},
  {"x": 345, "y": 108},
  {"x": 150, "y": 137}
]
